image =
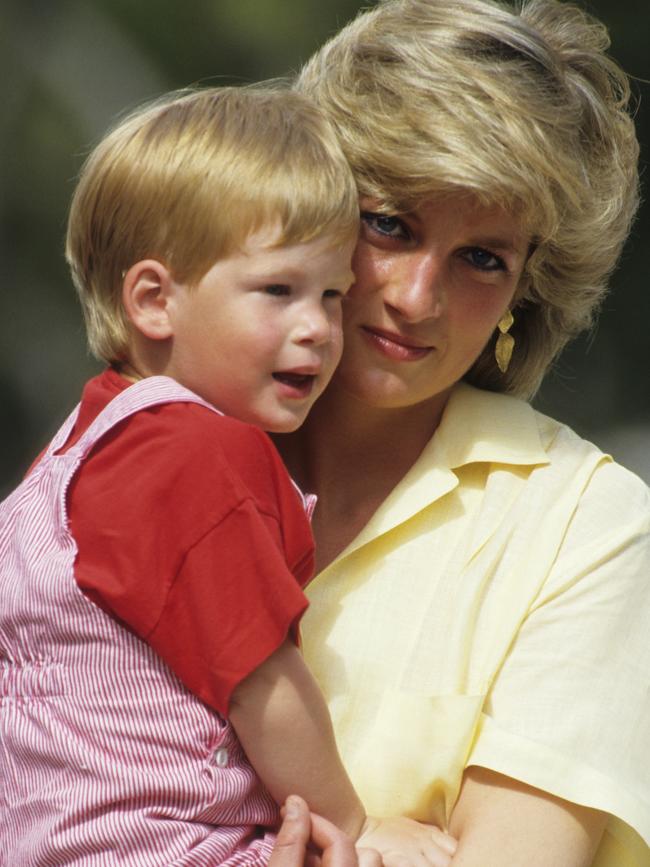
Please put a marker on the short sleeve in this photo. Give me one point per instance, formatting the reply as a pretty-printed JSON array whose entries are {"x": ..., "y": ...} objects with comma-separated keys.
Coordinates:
[
  {"x": 190, "y": 533},
  {"x": 231, "y": 605},
  {"x": 582, "y": 660}
]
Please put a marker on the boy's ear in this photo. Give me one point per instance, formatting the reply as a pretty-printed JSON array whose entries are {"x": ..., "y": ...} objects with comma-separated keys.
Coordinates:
[{"x": 146, "y": 291}]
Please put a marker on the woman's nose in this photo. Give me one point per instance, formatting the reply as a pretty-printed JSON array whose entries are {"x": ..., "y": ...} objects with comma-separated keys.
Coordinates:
[{"x": 416, "y": 290}]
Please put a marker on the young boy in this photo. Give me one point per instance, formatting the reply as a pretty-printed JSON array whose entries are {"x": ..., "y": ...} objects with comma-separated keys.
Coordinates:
[{"x": 154, "y": 557}]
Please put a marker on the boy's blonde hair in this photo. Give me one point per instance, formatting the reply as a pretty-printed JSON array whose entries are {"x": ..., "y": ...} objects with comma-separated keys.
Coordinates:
[
  {"x": 186, "y": 181},
  {"x": 521, "y": 107}
]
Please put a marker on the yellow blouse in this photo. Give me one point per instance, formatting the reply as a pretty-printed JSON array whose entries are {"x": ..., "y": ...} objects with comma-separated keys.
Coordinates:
[{"x": 495, "y": 611}]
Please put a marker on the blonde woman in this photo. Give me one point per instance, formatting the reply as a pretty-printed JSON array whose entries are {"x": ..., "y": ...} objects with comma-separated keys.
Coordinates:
[{"x": 480, "y": 623}]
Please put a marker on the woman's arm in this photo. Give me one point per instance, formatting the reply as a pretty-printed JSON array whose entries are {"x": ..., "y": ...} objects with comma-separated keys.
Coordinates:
[{"x": 500, "y": 822}]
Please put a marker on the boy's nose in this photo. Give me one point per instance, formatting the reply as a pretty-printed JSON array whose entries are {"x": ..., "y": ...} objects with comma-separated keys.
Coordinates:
[{"x": 315, "y": 327}]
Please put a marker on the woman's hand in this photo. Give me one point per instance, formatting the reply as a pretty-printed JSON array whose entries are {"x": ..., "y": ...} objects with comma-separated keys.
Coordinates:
[
  {"x": 403, "y": 842},
  {"x": 305, "y": 838}
]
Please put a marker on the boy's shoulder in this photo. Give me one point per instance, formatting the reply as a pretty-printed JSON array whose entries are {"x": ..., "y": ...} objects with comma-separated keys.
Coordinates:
[
  {"x": 182, "y": 421},
  {"x": 175, "y": 424},
  {"x": 203, "y": 435},
  {"x": 189, "y": 450}
]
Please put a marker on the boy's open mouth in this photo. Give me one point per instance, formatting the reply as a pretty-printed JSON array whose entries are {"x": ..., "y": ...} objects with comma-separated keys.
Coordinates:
[{"x": 295, "y": 380}]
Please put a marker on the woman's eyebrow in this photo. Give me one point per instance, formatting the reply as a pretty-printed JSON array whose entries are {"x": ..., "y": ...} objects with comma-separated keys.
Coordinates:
[{"x": 503, "y": 244}]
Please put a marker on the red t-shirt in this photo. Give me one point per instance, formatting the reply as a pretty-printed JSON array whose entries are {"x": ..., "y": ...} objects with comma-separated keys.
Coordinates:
[{"x": 191, "y": 533}]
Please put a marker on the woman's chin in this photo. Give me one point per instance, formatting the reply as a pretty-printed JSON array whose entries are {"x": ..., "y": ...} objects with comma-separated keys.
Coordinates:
[{"x": 378, "y": 389}]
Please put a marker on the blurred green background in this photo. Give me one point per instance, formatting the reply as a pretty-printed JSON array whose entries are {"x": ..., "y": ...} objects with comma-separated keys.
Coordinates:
[{"x": 69, "y": 66}]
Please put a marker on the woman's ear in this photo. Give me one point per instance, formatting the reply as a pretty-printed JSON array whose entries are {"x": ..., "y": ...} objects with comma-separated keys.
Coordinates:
[{"x": 146, "y": 292}]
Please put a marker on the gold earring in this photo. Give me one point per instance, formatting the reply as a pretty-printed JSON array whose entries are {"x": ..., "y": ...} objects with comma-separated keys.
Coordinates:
[{"x": 505, "y": 342}]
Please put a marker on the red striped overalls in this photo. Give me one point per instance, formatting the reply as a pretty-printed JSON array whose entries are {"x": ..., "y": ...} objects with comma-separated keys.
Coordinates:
[{"x": 105, "y": 757}]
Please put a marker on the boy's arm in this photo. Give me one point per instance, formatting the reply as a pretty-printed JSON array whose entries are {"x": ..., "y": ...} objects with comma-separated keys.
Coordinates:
[{"x": 282, "y": 721}]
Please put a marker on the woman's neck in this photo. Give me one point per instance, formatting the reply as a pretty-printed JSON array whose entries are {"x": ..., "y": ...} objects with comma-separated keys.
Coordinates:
[{"x": 352, "y": 456}]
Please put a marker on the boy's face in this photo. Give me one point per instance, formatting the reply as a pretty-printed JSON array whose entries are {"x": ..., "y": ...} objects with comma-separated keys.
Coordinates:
[{"x": 260, "y": 336}]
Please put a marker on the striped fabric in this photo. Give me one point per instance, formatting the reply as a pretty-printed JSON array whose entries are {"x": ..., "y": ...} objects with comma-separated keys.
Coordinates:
[{"x": 105, "y": 757}]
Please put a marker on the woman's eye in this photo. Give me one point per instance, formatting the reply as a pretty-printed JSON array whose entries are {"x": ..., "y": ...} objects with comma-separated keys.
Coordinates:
[
  {"x": 484, "y": 260},
  {"x": 385, "y": 224},
  {"x": 277, "y": 289}
]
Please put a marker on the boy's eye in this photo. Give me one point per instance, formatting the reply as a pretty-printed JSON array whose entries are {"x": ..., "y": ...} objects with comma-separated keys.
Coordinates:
[
  {"x": 333, "y": 293},
  {"x": 385, "y": 224},
  {"x": 277, "y": 289},
  {"x": 483, "y": 259}
]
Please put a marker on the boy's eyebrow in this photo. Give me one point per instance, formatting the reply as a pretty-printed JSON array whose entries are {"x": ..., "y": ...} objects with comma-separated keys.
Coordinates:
[
  {"x": 281, "y": 274},
  {"x": 274, "y": 270}
]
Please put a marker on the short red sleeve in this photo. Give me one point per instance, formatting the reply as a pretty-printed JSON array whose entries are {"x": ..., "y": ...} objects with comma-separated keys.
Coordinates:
[
  {"x": 214, "y": 633},
  {"x": 190, "y": 532}
]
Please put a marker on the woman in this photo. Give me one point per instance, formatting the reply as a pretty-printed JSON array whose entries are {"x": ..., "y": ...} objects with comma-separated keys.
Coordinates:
[{"x": 480, "y": 623}]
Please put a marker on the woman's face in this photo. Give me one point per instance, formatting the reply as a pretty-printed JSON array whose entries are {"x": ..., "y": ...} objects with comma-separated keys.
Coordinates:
[{"x": 430, "y": 287}]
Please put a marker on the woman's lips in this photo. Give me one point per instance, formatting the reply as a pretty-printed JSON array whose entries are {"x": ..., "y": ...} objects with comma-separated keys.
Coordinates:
[{"x": 395, "y": 346}]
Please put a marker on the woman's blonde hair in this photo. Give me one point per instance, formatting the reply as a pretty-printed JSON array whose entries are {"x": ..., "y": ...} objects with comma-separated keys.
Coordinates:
[
  {"x": 523, "y": 108},
  {"x": 187, "y": 179}
]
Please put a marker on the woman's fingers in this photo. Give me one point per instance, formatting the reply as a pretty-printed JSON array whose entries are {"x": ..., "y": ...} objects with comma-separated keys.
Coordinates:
[
  {"x": 293, "y": 835},
  {"x": 308, "y": 840},
  {"x": 436, "y": 856},
  {"x": 403, "y": 842},
  {"x": 368, "y": 857},
  {"x": 336, "y": 847},
  {"x": 433, "y": 857},
  {"x": 303, "y": 834},
  {"x": 446, "y": 842}
]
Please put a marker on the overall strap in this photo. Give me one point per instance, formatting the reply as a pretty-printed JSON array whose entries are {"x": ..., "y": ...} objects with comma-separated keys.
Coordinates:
[
  {"x": 308, "y": 501},
  {"x": 145, "y": 393},
  {"x": 61, "y": 436}
]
